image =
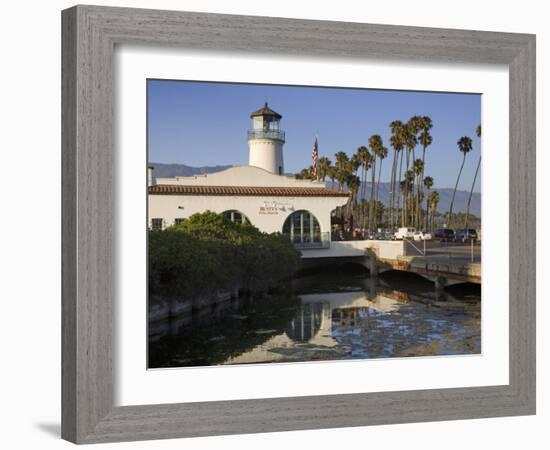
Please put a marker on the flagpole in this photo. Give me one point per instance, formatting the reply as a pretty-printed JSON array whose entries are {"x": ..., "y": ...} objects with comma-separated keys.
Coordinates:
[
  {"x": 314, "y": 157},
  {"x": 317, "y": 171}
]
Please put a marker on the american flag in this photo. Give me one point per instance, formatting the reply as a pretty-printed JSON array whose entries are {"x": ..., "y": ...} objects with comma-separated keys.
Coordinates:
[{"x": 314, "y": 155}]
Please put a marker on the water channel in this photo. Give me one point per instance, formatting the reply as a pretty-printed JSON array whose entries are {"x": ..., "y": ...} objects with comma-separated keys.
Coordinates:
[{"x": 333, "y": 315}]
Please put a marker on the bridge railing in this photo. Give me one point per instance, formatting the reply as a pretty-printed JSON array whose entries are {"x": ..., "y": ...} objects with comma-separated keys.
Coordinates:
[
  {"x": 417, "y": 249},
  {"x": 453, "y": 251}
]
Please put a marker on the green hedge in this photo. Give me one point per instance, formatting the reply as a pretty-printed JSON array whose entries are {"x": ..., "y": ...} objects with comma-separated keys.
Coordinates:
[{"x": 207, "y": 253}]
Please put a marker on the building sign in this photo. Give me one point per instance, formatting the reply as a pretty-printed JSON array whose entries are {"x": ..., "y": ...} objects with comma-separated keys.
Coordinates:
[{"x": 274, "y": 208}]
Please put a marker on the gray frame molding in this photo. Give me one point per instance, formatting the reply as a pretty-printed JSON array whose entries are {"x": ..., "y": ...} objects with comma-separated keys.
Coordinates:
[{"x": 89, "y": 36}]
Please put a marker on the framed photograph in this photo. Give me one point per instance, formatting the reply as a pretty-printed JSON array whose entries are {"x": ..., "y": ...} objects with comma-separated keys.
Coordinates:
[{"x": 264, "y": 228}]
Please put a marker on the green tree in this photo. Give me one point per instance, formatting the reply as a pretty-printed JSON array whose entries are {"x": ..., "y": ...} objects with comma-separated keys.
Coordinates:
[
  {"x": 331, "y": 173},
  {"x": 342, "y": 168},
  {"x": 323, "y": 166},
  {"x": 305, "y": 174}
]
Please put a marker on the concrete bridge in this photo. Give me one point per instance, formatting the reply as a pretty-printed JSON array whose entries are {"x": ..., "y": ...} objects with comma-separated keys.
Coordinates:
[{"x": 442, "y": 263}]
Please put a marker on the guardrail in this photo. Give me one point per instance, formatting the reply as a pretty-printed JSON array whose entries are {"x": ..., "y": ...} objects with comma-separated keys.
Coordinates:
[
  {"x": 450, "y": 250},
  {"x": 421, "y": 251},
  {"x": 266, "y": 134}
]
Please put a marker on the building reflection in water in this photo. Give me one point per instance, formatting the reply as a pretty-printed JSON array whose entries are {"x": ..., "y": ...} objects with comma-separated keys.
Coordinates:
[
  {"x": 306, "y": 324},
  {"x": 374, "y": 321}
]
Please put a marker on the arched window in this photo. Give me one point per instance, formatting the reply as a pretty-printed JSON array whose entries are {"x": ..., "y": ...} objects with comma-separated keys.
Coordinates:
[
  {"x": 235, "y": 216},
  {"x": 302, "y": 228}
]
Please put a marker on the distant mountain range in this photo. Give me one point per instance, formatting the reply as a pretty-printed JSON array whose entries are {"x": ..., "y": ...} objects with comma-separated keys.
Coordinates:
[
  {"x": 180, "y": 170},
  {"x": 445, "y": 194}
]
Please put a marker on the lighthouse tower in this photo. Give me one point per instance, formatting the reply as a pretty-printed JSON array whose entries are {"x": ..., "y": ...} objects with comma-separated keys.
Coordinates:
[{"x": 265, "y": 141}]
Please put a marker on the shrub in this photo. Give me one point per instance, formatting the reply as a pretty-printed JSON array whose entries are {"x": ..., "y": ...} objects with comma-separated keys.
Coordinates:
[{"x": 207, "y": 253}]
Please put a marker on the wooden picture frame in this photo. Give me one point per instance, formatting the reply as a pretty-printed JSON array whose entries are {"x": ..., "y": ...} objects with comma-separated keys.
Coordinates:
[{"x": 90, "y": 34}]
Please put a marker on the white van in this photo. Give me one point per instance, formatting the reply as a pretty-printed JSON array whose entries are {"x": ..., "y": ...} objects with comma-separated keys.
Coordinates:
[{"x": 405, "y": 233}]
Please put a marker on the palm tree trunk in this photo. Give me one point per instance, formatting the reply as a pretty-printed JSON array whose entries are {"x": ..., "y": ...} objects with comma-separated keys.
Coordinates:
[
  {"x": 414, "y": 187},
  {"x": 422, "y": 175},
  {"x": 371, "y": 208},
  {"x": 420, "y": 194},
  {"x": 427, "y": 211},
  {"x": 471, "y": 191},
  {"x": 378, "y": 181},
  {"x": 454, "y": 192},
  {"x": 364, "y": 211},
  {"x": 406, "y": 194},
  {"x": 378, "y": 187},
  {"x": 361, "y": 191},
  {"x": 399, "y": 186},
  {"x": 392, "y": 188}
]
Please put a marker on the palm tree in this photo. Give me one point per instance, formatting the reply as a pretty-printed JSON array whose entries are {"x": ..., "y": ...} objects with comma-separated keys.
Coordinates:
[
  {"x": 415, "y": 123},
  {"x": 323, "y": 165},
  {"x": 382, "y": 153},
  {"x": 428, "y": 184},
  {"x": 363, "y": 157},
  {"x": 464, "y": 146},
  {"x": 342, "y": 161},
  {"x": 425, "y": 137},
  {"x": 375, "y": 144},
  {"x": 418, "y": 168},
  {"x": 409, "y": 139},
  {"x": 478, "y": 133},
  {"x": 396, "y": 141},
  {"x": 433, "y": 200},
  {"x": 353, "y": 164},
  {"x": 406, "y": 189},
  {"x": 305, "y": 174},
  {"x": 331, "y": 173},
  {"x": 425, "y": 140},
  {"x": 353, "y": 184}
]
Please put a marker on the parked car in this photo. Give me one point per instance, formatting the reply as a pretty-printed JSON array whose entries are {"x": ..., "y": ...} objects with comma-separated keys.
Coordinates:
[
  {"x": 422, "y": 236},
  {"x": 377, "y": 236},
  {"x": 445, "y": 234},
  {"x": 405, "y": 233},
  {"x": 466, "y": 235},
  {"x": 389, "y": 236}
]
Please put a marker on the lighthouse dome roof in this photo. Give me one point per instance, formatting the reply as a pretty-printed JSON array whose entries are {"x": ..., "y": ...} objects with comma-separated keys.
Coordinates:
[{"x": 265, "y": 111}]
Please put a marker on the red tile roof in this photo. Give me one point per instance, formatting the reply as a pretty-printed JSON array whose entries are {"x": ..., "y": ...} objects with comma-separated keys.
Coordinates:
[{"x": 263, "y": 191}]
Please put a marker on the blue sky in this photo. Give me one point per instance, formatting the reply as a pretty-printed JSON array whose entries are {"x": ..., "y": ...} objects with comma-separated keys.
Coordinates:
[{"x": 205, "y": 124}]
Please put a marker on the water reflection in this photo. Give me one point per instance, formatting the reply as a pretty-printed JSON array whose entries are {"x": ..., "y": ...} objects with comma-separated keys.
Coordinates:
[{"x": 323, "y": 319}]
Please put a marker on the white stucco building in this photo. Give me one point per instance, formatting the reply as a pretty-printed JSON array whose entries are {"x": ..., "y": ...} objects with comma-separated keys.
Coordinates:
[{"x": 258, "y": 192}]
